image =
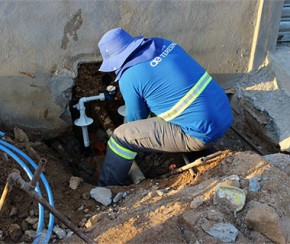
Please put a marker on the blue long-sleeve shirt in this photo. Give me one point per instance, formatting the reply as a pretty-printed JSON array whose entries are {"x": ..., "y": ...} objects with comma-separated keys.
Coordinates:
[{"x": 158, "y": 84}]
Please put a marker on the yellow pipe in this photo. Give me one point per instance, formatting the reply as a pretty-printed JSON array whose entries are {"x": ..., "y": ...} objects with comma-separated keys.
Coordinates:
[{"x": 3, "y": 196}]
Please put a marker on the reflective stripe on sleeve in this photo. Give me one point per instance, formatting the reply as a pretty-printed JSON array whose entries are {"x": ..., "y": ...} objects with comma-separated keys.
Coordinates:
[
  {"x": 186, "y": 100},
  {"x": 121, "y": 151}
]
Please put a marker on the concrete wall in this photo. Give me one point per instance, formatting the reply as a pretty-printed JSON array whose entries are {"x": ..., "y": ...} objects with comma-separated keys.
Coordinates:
[{"x": 42, "y": 43}]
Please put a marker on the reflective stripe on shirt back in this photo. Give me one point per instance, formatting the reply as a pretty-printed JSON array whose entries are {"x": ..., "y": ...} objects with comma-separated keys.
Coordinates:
[{"x": 186, "y": 100}]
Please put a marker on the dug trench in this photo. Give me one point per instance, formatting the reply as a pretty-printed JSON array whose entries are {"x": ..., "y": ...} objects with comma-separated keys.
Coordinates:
[{"x": 177, "y": 209}]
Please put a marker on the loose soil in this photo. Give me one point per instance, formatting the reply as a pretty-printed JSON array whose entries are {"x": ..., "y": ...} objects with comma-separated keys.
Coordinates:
[{"x": 156, "y": 210}]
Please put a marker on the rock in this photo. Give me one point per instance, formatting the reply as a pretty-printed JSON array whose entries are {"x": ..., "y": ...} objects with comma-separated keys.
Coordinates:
[
  {"x": 232, "y": 180},
  {"x": 254, "y": 184},
  {"x": 36, "y": 211},
  {"x": 224, "y": 232},
  {"x": 94, "y": 219},
  {"x": 32, "y": 153},
  {"x": 264, "y": 219},
  {"x": 280, "y": 160},
  {"x": 15, "y": 232},
  {"x": 60, "y": 233},
  {"x": 34, "y": 226},
  {"x": 191, "y": 219},
  {"x": 82, "y": 223},
  {"x": 20, "y": 135},
  {"x": 31, "y": 213},
  {"x": 125, "y": 194},
  {"x": 4, "y": 157},
  {"x": 28, "y": 236},
  {"x": 74, "y": 182},
  {"x": 112, "y": 216},
  {"x": 102, "y": 195},
  {"x": 86, "y": 196},
  {"x": 118, "y": 197},
  {"x": 1, "y": 234},
  {"x": 24, "y": 225},
  {"x": 215, "y": 215},
  {"x": 160, "y": 192},
  {"x": 80, "y": 208},
  {"x": 31, "y": 220},
  {"x": 23, "y": 214},
  {"x": 13, "y": 212},
  {"x": 196, "y": 202}
]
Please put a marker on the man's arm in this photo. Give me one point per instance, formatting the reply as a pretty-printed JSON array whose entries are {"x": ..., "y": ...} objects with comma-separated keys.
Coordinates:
[{"x": 136, "y": 106}]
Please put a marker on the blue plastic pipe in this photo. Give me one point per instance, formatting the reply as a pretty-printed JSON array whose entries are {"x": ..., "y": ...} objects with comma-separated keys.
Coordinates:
[
  {"x": 30, "y": 175},
  {"x": 8, "y": 148}
]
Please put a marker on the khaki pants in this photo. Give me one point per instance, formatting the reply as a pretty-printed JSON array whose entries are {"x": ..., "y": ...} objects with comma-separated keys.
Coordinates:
[
  {"x": 156, "y": 135},
  {"x": 150, "y": 135}
]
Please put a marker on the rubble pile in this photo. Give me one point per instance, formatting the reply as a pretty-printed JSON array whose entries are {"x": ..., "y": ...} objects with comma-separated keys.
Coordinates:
[{"x": 238, "y": 197}]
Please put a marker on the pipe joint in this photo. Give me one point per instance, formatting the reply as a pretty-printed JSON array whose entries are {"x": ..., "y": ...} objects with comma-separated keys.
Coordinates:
[{"x": 83, "y": 121}]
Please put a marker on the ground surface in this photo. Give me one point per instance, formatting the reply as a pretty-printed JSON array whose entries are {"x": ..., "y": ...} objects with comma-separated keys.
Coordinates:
[{"x": 176, "y": 209}]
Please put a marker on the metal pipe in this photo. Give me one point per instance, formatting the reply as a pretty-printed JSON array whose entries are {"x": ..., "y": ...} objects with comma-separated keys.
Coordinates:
[
  {"x": 284, "y": 26},
  {"x": 16, "y": 178},
  {"x": 193, "y": 164},
  {"x": 38, "y": 171},
  {"x": 286, "y": 12},
  {"x": 187, "y": 162}
]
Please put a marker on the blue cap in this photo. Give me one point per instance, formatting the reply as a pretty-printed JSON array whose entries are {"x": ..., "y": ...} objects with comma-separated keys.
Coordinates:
[{"x": 116, "y": 46}]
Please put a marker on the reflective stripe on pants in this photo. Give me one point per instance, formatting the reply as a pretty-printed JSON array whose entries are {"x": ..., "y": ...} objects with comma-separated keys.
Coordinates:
[{"x": 149, "y": 135}]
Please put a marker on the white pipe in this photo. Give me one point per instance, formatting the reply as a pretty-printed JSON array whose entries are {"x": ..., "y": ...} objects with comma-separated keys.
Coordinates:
[
  {"x": 83, "y": 121},
  {"x": 85, "y": 136}
]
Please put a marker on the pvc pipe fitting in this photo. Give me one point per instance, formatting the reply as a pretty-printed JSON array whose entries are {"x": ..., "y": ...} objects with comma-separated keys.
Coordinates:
[{"x": 83, "y": 121}]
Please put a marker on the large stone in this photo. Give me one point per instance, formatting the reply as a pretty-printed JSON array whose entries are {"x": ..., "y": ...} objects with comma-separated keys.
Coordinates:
[
  {"x": 60, "y": 233},
  {"x": 94, "y": 219},
  {"x": 280, "y": 160},
  {"x": 102, "y": 195},
  {"x": 264, "y": 219},
  {"x": 191, "y": 218},
  {"x": 15, "y": 232},
  {"x": 28, "y": 236},
  {"x": 257, "y": 107},
  {"x": 224, "y": 232}
]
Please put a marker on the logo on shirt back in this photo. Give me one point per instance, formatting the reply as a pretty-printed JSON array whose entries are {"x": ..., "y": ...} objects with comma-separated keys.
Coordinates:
[{"x": 158, "y": 59}]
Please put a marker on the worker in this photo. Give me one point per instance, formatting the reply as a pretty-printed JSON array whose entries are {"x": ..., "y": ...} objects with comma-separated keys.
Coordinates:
[{"x": 156, "y": 76}]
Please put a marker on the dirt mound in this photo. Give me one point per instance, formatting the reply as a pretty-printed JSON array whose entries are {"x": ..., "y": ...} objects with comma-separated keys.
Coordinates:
[
  {"x": 167, "y": 211},
  {"x": 177, "y": 209}
]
